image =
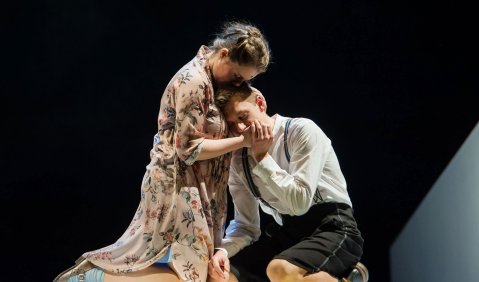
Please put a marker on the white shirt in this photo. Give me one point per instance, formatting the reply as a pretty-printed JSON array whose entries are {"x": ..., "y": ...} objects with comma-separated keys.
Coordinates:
[{"x": 289, "y": 187}]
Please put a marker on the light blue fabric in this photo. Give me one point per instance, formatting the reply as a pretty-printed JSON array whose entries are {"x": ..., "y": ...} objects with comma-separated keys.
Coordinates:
[
  {"x": 164, "y": 260},
  {"x": 96, "y": 274},
  {"x": 92, "y": 275}
]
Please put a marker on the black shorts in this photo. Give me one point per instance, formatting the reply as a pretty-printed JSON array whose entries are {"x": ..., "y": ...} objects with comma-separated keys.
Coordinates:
[{"x": 326, "y": 238}]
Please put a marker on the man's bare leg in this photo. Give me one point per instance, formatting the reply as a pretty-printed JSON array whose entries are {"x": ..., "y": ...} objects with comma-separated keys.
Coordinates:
[{"x": 280, "y": 270}]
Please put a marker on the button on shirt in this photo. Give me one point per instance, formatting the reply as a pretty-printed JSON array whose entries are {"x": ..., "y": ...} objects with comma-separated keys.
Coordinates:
[{"x": 288, "y": 187}]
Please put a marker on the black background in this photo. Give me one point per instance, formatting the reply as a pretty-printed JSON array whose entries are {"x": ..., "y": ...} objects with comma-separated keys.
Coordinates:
[{"x": 392, "y": 83}]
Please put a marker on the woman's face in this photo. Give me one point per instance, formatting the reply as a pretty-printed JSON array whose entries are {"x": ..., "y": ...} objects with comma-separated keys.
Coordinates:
[{"x": 225, "y": 72}]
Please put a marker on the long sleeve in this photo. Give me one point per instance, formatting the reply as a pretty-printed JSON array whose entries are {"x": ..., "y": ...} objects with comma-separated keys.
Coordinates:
[
  {"x": 309, "y": 148},
  {"x": 244, "y": 229},
  {"x": 189, "y": 121}
]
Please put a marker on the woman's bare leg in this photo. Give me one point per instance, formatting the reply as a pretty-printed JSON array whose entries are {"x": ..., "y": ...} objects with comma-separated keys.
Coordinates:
[
  {"x": 153, "y": 274},
  {"x": 232, "y": 278},
  {"x": 149, "y": 274}
]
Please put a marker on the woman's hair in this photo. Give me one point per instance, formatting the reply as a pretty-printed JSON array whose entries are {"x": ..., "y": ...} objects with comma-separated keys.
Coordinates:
[
  {"x": 246, "y": 44},
  {"x": 224, "y": 94}
]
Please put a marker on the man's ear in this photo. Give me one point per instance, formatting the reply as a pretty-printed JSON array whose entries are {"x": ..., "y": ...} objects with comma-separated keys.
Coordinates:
[{"x": 260, "y": 101}]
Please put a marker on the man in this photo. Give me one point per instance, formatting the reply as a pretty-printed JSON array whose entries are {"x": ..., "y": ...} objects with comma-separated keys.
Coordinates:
[{"x": 292, "y": 173}]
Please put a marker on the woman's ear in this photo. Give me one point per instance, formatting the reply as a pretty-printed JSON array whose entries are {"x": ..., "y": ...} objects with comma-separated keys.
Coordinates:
[{"x": 224, "y": 52}]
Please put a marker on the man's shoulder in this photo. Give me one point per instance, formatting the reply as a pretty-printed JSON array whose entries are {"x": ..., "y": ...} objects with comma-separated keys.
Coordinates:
[
  {"x": 307, "y": 130},
  {"x": 303, "y": 123}
]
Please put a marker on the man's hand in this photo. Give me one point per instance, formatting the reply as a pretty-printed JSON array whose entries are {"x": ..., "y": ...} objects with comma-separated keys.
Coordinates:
[
  {"x": 248, "y": 136},
  {"x": 262, "y": 140},
  {"x": 219, "y": 266}
]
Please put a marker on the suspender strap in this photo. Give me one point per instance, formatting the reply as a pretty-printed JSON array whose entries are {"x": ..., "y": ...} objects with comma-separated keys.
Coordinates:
[
  {"x": 247, "y": 172},
  {"x": 244, "y": 156},
  {"x": 285, "y": 138},
  {"x": 317, "y": 196},
  {"x": 249, "y": 178}
]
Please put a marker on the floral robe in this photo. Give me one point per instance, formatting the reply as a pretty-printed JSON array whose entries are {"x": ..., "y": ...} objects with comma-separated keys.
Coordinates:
[{"x": 183, "y": 201}]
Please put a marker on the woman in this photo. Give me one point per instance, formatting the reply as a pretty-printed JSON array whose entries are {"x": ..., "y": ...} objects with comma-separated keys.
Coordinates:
[{"x": 183, "y": 194}]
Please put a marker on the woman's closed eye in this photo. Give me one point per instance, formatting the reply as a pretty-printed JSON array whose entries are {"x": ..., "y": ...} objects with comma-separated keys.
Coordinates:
[{"x": 237, "y": 79}]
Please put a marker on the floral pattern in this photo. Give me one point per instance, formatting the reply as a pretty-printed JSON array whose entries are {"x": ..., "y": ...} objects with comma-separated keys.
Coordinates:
[{"x": 182, "y": 201}]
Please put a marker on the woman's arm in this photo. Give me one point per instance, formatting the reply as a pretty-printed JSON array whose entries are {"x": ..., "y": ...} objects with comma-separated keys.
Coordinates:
[{"x": 211, "y": 148}]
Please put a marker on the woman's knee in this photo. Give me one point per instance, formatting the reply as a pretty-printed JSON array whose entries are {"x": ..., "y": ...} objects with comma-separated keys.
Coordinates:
[{"x": 230, "y": 278}]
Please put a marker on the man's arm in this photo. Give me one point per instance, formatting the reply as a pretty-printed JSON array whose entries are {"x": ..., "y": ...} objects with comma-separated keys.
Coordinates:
[
  {"x": 310, "y": 149},
  {"x": 244, "y": 229}
]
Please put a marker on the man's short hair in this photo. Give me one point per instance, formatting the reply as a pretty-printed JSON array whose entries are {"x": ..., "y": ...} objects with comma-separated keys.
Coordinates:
[{"x": 224, "y": 94}]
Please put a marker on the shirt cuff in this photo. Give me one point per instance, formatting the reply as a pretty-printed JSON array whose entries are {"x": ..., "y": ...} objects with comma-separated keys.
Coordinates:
[
  {"x": 222, "y": 249},
  {"x": 265, "y": 168}
]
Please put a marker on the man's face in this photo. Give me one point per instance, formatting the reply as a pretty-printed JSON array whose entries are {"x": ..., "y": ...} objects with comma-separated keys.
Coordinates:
[{"x": 241, "y": 113}]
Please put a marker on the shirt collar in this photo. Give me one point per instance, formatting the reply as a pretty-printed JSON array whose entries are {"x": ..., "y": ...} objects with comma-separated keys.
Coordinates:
[{"x": 279, "y": 123}]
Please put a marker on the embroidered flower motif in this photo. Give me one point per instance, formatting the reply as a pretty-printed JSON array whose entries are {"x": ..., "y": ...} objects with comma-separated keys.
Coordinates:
[
  {"x": 103, "y": 256},
  {"x": 188, "y": 217},
  {"x": 167, "y": 236},
  {"x": 195, "y": 205},
  {"x": 191, "y": 273},
  {"x": 163, "y": 212},
  {"x": 178, "y": 141},
  {"x": 130, "y": 260}
]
